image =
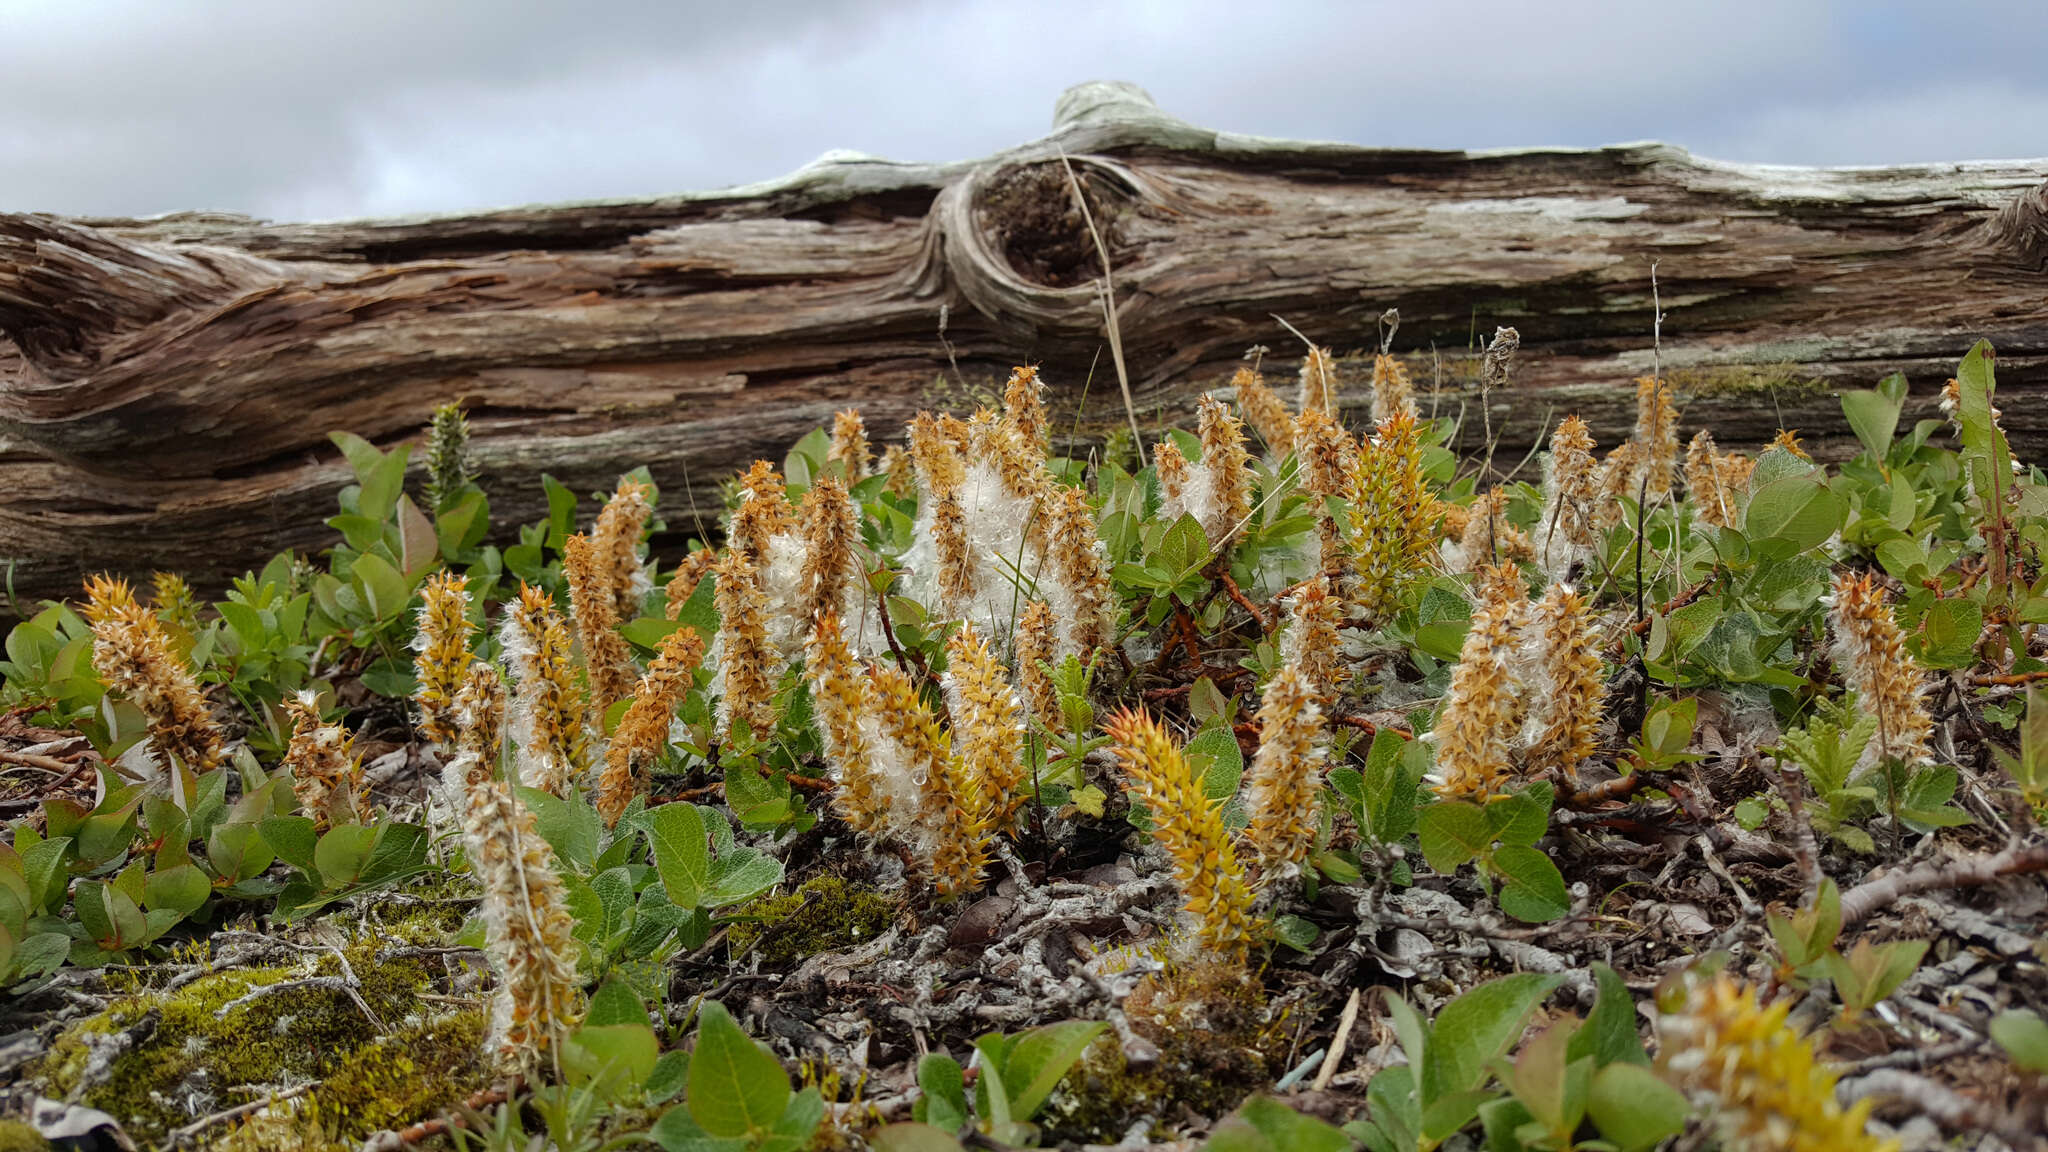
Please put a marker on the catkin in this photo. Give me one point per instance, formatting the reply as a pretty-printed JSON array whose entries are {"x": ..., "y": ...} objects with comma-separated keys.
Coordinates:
[
  {"x": 443, "y": 659},
  {"x": 134, "y": 657},
  {"x": 1189, "y": 826},
  {"x": 1871, "y": 653},
  {"x": 643, "y": 730}
]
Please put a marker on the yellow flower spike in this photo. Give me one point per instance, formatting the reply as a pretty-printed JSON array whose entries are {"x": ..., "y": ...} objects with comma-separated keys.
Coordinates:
[
  {"x": 952, "y": 825},
  {"x": 690, "y": 572},
  {"x": 1228, "y": 467},
  {"x": 444, "y": 657},
  {"x": 1085, "y": 605},
  {"x": 134, "y": 657},
  {"x": 1565, "y": 698},
  {"x": 746, "y": 682},
  {"x": 326, "y": 775},
  {"x": 1395, "y": 519},
  {"x": 1310, "y": 642},
  {"x": 941, "y": 474},
  {"x": 1743, "y": 1065},
  {"x": 839, "y": 686},
  {"x": 1037, "y": 650},
  {"x": 1657, "y": 433},
  {"x": 1286, "y": 774},
  {"x": 1264, "y": 411},
  {"x": 1478, "y": 716},
  {"x": 830, "y": 526},
  {"x": 1489, "y": 537},
  {"x": 480, "y": 722},
  {"x": 1329, "y": 463},
  {"x": 1318, "y": 383},
  {"x": 548, "y": 719},
  {"x": 1189, "y": 826},
  {"x": 1788, "y": 439},
  {"x": 605, "y": 655},
  {"x": 1569, "y": 533},
  {"x": 850, "y": 445},
  {"x": 1392, "y": 393},
  {"x": 1703, "y": 480},
  {"x": 763, "y": 512},
  {"x": 643, "y": 730},
  {"x": 1620, "y": 477},
  {"x": 901, "y": 471},
  {"x": 174, "y": 601},
  {"x": 1870, "y": 651},
  {"x": 528, "y": 928},
  {"x": 988, "y": 726},
  {"x": 1024, "y": 409},
  {"x": 616, "y": 542}
]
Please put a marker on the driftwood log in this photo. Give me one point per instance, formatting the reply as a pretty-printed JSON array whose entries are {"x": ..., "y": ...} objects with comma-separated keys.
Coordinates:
[{"x": 167, "y": 385}]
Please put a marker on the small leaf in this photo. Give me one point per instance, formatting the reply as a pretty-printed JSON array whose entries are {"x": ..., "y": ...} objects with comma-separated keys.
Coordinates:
[
  {"x": 1295, "y": 932},
  {"x": 2024, "y": 1036},
  {"x": 682, "y": 856},
  {"x": 1477, "y": 1027},
  {"x": 1453, "y": 832},
  {"x": 1038, "y": 1060},
  {"x": 737, "y": 1087},
  {"x": 912, "y": 1138},
  {"x": 1533, "y": 889},
  {"x": 1290, "y": 1131},
  {"x": 944, "y": 1103},
  {"x": 1634, "y": 1108}
]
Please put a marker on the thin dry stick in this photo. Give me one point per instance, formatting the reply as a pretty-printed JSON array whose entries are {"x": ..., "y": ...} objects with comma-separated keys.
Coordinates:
[
  {"x": 1969, "y": 872},
  {"x": 1116, "y": 337},
  {"x": 1336, "y": 1056}
]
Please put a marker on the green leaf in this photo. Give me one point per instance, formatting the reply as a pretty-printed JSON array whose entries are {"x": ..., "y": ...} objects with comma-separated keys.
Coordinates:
[
  {"x": 682, "y": 856},
  {"x": 944, "y": 1103},
  {"x": 571, "y": 828},
  {"x": 1216, "y": 758},
  {"x": 293, "y": 838},
  {"x": 1874, "y": 415},
  {"x": 1453, "y": 832},
  {"x": 362, "y": 456},
  {"x": 737, "y": 1086},
  {"x": 182, "y": 889},
  {"x": 1791, "y": 514},
  {"x": 649, "y": 631},
  {"x": 2024, "y": 1036},
  {"x": 1295, "y": 932},
  {"x": 1533, "y": 889},
  {"x": 385, "y": 589},
  {"x": 1609, "y": 1033},
  {"x": 1477, "y": 1027},
  {"x": 1948, "y": 632},
  {"x": 1396, "y": 1109},
  {"x": 343, "y": 853},
  {"x": 670, "y": 1076},
  {"x": 614, "y": 1058},
  {"x": 912, "y": 1138},
  {"x": 1038, "y": 1059},
  {"x": 676, "y": 1131},
  {"x": 383, "y": 484},
  {"x": 1290, "y": 1131},
  {"x": 1522, "y": 818},
  {"x": 1185, "y": 546},
  {"x": 1387, "y": 790},
  {"x": 740, "y": 875},
  {"x": 42, "y": 865},
  {"x": 1634, "y": 1108},
  {"x": 400, "y": 852}
]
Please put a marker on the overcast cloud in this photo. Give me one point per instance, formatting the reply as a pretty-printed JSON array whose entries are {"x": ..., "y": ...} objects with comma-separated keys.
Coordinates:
[{"x": 379, "y": 107}]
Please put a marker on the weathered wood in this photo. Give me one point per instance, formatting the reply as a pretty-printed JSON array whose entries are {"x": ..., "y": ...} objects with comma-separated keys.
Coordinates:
[{"x": 166, "y": 385}]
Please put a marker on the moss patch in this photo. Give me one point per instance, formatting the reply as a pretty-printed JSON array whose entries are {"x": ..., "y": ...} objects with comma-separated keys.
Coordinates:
[
  {"x": 16, "y": 1136},
  {"x": 1743, "y": 379},
  {"x": 824, "y": 913},
  {"x": 155, "y": 1060}
]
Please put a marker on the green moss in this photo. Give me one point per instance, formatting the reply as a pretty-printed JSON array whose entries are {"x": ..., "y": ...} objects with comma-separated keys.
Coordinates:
[
  {"x": 1743, "y": 379},
  {"x": 16, "y": 1136},
  {"x": 824, "y": 913},
  {"x": 1216, "y": 1047},
  {"x": 184, "y": 1055}
]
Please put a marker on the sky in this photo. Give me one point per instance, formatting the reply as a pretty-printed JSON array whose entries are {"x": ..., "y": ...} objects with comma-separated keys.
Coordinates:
[{"x": 353, "y": 108}]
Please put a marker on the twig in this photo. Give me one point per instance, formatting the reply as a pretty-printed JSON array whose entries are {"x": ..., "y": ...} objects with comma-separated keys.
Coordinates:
[
  {"x": 180, "y": 1135},
  {"x": 1237, "y": 595},
  {"x": 1109, "y": 316},
  {"x": 1971, "y": 872},
  {"x": 1336, "y": 1057},
  {"x": 1805, "y": 852},
  {"x": 1941, "y": 1103}
]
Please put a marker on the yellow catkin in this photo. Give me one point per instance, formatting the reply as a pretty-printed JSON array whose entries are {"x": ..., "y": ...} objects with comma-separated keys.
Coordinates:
[
  {"x": 443, "y": 657},
  {"x": 480, "y": 719},
  {"x": 1329, "y": 462},
  {"x": 1743, "y": 1066},
  {"x": 1477, "y": 720},
  {"x": 1392, "y": 393},
  {"x": 988, "y": 727},
  {"x": 528, "y": 930},
  {"x": 1563, "y": 655},
  {"x": 548, "y": 722},
  {"x": 1228, "y": 466},
  {"x": 1286, "y": 774},
  {"x": 850, "y": 445},
  {"x": 174, "y": 601},
  {"x": 830, "y": 525},
  {"x": 941, "y": 474},
  {"x": 690, "y": 572},
  {"x": 1318, "y": 383},
  {"x": 1657, "y": 433},
  {"x": 1189, "y": 826},
  {"x": 134, "y": 657},
  {"x": 746, "y": 682},
  {"x": 763, "y": 512},
  {"x": 1310, "y": 642},
  {"x": 900, "y": 470},
  {"x": 1788, "y": 440},
  {"x": 952, "y": 818},
  {"x": 616, "y": 537},
  {"x": 326, "y": 774},
  {"x": 1264, "y": 411},
  {"x": 643, "y": 730},
  {"x": 1733, "y": 470},
  {"x": 1569, "y": 533},
  {"x": 1500, "y": 583},
  {"x": 1395, "y": 520},
  {"x": 1024, "y": 409},
  {"x": 605, "y": 655},
  {"x": 1620, "y": 479},
  {"x": 839, "y": 686},
  {"x": 1037, "y": 649},
  {"x": 1489, "y": 537},
  {"x": 1870, "y": 652},
  {"x": 1176, "y": 477},
  {"x": 1081, "y": 570},
  {"x": 1019, "y": 464}
]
